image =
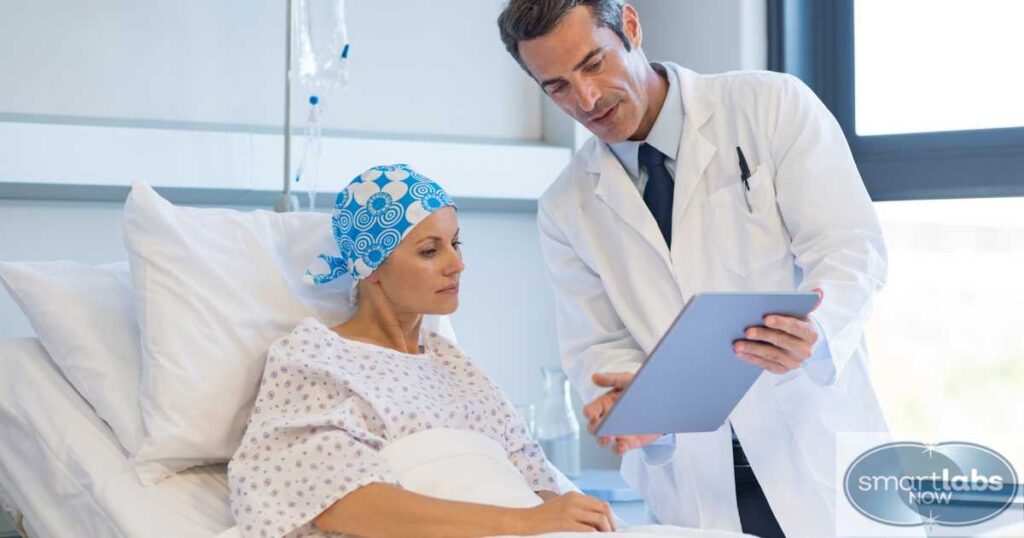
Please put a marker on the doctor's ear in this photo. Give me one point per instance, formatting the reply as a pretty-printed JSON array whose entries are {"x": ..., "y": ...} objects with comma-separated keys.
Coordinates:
[{"x": 631, "y": 26}]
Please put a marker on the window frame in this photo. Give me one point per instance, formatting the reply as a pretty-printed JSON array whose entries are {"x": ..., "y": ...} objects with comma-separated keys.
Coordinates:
[{"x": 814, "y": 41}]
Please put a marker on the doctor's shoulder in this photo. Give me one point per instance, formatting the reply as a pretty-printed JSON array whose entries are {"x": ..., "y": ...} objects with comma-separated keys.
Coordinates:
[
  {"x": 760, "y": 91},
  {"x": 573, "y": 184}
]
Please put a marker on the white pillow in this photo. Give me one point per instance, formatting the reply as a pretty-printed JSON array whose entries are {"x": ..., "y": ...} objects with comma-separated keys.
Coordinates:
[
  {"x": 214, "y": 288},
  {"x": 84, "y": 317}
]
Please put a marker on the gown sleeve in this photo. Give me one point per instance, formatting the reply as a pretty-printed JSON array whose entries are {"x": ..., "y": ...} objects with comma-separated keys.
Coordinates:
[
  {"x": 310, "y": 441},
  {"x": 524, "y": 452}
]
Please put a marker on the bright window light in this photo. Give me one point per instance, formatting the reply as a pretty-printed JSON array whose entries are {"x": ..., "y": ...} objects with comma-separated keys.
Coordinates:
[
  {"x": 938, "y": 65},
  {"x": 946, "y": 340}
]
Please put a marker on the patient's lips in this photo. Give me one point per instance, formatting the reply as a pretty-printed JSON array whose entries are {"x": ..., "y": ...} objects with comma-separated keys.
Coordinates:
[{"x": 454, "y": 288}]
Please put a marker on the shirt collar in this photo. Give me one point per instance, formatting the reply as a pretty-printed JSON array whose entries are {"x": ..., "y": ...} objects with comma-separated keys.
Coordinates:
[{"x": 666, "y": 133}]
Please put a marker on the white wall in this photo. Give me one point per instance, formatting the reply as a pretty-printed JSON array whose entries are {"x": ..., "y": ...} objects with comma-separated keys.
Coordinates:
[
  {"x": 242, "y": 161},
  {"x": 191, "y": 94},
  {"x": 418, "y": 66},
  {"x": 707, "y": 36}
]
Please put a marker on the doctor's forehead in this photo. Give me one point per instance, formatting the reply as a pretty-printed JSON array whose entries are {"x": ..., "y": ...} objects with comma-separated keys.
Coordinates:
[{"x": 562, "y": 49}]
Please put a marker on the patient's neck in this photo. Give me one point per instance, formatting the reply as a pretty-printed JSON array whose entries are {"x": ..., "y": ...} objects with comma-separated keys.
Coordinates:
[{"x": 378, "y": 322}]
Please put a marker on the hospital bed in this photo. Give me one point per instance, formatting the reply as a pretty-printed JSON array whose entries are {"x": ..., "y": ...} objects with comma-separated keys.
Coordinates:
[
  {"x": 64, "y": 468},
  {"x": 63, "y": 473}
]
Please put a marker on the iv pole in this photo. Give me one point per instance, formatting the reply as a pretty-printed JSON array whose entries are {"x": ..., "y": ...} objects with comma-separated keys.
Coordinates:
[{"x": 288, "y": 202}]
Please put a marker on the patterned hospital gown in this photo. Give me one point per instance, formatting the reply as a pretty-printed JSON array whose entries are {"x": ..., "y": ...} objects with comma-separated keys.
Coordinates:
[{"x": 327, "y": 405}]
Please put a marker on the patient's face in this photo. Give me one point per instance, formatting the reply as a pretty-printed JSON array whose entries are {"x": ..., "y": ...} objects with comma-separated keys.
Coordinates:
[
  {"x": 587, "y": 71},
  {"x": 422, "y": 275}
]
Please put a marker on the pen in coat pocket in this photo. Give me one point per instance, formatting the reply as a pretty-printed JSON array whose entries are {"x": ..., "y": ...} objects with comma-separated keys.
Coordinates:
[{"x": 744, "y": 176}]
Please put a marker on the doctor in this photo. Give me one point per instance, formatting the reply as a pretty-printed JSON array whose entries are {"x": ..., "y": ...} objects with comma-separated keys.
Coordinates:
[{"x": 739, "y": 181}]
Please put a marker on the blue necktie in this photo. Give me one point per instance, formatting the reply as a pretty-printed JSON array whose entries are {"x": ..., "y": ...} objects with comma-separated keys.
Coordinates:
[{"x": 659, "y": 189}]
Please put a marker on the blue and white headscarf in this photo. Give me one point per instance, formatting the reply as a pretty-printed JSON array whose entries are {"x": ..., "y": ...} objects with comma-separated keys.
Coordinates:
[{"x": 371, "y": 217}]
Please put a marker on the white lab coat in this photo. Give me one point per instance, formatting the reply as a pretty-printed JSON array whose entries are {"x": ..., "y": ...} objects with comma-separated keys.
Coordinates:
[{"x": 618, "y": 288}]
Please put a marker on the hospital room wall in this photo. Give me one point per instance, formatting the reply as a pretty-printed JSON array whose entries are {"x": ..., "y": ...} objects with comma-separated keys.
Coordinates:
[
  {"x": 707, "y": 36},
  {"x": 220, "y": 65},
  {"x": 506, "y": 320}
]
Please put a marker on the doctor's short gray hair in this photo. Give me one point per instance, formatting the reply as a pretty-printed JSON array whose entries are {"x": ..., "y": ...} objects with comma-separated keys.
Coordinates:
[{"x": 523, "y": 20}]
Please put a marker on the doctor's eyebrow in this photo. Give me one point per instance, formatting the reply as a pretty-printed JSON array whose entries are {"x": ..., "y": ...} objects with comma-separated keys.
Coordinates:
[{"x": 590, "y": 55}]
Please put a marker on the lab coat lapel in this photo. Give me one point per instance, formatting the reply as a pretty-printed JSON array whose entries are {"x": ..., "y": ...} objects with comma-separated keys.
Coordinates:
[
  {"x": 695, "y": 151},
  {"x": 616, "y": 189}
]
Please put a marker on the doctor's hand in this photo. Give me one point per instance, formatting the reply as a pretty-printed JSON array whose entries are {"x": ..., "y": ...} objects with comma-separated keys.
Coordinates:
[
  {"x": 597, "y": 409},
  {"x": 782, "y": 344}
]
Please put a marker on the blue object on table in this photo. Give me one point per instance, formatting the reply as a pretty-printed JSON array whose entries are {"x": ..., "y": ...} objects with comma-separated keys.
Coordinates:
[{"x": 606, "y": 484}]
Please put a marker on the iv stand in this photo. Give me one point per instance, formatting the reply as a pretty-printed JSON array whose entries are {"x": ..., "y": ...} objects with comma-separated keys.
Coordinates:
[{"x": 288, "y": 202}]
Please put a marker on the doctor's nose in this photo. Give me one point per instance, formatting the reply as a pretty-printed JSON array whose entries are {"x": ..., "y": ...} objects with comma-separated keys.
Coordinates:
[{"x": 587, "y": 96}]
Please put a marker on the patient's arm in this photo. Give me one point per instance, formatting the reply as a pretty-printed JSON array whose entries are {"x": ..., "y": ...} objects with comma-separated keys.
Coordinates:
[{"x": 385, "y": 510}]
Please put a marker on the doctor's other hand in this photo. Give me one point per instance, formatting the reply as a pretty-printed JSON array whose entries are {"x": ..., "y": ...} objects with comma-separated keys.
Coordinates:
[
  {"x": 782, "y": 344},
  {"x": 570, "y": 512},
  {"x": 597, "y": 409}
]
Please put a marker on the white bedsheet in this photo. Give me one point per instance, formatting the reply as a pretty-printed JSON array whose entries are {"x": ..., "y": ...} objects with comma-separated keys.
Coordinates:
[
  {"x": 467, "y": 466},
  {"x": 64, "y": 471},
  {"x": 62, "y": 468}
]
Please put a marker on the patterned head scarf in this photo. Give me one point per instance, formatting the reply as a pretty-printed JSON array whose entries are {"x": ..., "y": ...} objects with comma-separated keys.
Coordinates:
[{"x": 371, "y": 217}]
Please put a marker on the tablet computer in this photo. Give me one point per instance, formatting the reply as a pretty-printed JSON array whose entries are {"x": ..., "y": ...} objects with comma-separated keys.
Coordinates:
[{"x": 693, "y": 379}]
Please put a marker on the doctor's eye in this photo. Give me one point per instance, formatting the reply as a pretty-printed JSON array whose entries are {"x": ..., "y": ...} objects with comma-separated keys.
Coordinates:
[
  {"x": 593, "y": 67},
  {"x": 557, "y": 88}
]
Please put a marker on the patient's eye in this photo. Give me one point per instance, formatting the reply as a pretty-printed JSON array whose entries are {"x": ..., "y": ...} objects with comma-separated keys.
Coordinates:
[
  {"x": 456, "y": 244},
  {"x": 428, "y": 253}
]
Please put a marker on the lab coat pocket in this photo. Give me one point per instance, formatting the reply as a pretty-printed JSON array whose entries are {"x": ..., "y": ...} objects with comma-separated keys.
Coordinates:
[{"x": 746, "y": 227}]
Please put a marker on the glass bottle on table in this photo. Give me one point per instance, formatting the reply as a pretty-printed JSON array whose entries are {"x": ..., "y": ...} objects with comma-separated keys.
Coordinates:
[{"x": 558, "y": 431}]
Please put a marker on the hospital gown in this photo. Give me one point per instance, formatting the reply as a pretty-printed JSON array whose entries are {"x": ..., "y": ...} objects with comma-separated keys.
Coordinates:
[{"x": 326, "y": 407}]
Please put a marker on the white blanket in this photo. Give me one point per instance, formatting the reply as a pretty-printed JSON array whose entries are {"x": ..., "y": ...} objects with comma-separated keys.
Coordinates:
[{"x": 460, "y": 465}]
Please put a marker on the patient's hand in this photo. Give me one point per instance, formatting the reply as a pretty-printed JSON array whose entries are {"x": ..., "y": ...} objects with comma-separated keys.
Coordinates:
[
  {"x": 546, "y": 495},
  {"x": 597, "y": 409},
  {"x": 570, "y": 512}
]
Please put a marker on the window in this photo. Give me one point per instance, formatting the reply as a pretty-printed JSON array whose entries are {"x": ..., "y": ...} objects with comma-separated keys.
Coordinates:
[
  {"x": 927, "y": 91},
  {"x": 928, "y": 95},
  {"x": 937, "y": 65},
  {"x": 945, "y": 341}
]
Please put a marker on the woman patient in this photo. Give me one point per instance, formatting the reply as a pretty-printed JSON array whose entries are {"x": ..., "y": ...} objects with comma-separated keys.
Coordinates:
[{"x": 332, "y": 398}]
